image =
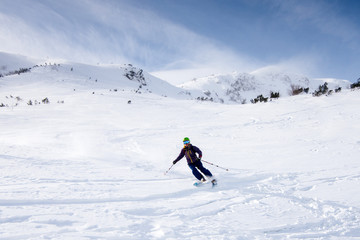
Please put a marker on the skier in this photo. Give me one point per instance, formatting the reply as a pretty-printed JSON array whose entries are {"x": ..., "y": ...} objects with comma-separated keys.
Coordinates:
[{"x": 194, "y": 162}]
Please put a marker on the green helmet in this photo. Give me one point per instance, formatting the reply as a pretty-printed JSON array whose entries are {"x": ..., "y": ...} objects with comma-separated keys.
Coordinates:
[{"x": 186, "y": 139}]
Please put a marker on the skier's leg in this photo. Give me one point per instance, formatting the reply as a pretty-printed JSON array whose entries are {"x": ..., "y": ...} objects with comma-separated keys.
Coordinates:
[
  {"x": 205, "y": 171},
  {"x": 196, "y": 173}
]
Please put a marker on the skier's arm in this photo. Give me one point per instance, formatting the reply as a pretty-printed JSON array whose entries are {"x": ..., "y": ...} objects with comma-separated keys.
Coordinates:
[{"x": 181, "y": 155}]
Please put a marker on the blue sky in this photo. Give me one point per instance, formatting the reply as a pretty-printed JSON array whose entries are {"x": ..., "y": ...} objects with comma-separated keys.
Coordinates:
[{"x": 182, "y": 39}]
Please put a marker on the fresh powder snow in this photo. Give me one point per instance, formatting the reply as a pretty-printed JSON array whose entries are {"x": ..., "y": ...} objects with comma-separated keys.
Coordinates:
[{"x": 89, "y": 162}]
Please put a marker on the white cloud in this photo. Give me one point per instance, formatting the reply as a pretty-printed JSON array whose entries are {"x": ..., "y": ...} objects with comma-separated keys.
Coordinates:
[
  {"x": 94, "y": 31},
  {"x": 301, "y": 64},
  {"x": 109, "y": 32}
]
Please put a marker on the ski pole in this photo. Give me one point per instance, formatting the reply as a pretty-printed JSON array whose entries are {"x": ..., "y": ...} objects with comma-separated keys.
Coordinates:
[
  {"x": 169, "y": 169},
  {"x": 215, "y": 165}
]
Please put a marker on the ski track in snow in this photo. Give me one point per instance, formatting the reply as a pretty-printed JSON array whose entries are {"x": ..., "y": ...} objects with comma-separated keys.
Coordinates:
[
  {"x": 97, "y": 208},
  {"x": 93, "y": 168}
]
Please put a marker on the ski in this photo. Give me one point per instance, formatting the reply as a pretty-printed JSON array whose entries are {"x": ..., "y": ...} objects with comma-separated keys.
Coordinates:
[{"x": 199, "y": 183}]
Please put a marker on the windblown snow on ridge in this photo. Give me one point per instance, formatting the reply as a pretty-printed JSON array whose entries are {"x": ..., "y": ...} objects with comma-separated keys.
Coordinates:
[
  {"x": 51, "y": 77},
  {"x": 242, "y": 87}
]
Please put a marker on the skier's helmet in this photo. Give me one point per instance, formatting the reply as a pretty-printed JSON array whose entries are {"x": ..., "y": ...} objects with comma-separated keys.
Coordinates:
[{"x": 186, "y": 140}]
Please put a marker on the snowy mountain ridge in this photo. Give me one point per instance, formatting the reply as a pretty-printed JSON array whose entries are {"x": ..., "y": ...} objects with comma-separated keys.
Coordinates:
[
  {"x": 58, "y": 75},
  {"x": 242, "y": 87},
  {"x": 231, "y": 88}
]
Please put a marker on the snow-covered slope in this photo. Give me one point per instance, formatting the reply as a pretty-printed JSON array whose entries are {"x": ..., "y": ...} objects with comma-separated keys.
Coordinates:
[
  {"x": 93, "y": 167},
  {"x": 242, "y": 87},
  {"x": 11, "y": 62},
  {"x": 231, "y": 88},
  {"x": 29, "y": 79}
]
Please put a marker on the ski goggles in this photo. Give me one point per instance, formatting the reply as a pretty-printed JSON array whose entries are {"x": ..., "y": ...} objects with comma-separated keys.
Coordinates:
[{"x": 186, "y": 142}]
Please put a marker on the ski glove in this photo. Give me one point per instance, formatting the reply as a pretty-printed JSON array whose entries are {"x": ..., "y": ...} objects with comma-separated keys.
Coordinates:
[{"x": 175, "y": 161}]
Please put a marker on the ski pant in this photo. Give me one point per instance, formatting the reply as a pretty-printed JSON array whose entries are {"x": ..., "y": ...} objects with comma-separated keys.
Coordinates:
[{"x": 196, "y": 166}]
